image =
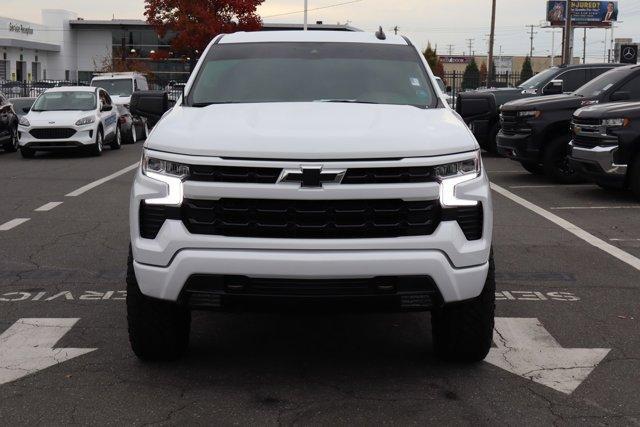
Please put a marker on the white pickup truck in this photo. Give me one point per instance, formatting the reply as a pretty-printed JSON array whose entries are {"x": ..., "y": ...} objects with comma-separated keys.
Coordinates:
[{"x": 310, "y": 168}]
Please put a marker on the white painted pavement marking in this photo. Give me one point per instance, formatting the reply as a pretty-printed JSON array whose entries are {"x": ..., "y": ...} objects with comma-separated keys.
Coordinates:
[
  {"x": 27, "y": 347},
  {"x": 618, "y": 253},
  {"x": 550, "y": 186},
  {"x": 561, "y": 208},
  {"x": 48, "y": 206},
  {"x": 625, "y": 240},
  {"x": 101, "y": 181},
  {"x": 525, "y": 348},
  {"x": 13, "y": 223}
]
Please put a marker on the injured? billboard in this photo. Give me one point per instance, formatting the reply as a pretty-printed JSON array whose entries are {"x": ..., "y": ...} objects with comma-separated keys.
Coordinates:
[{"x": 583, "y": 14}]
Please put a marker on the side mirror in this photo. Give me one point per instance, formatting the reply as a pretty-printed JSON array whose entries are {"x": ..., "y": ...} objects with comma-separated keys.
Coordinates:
[
  {"x": 620, "y": 96},
  {"x": 554, "y": 87},
  {"x": 26, "y": 109},
  {"x": 106, "y": 108},
  {"x": 150, "y": 104}
]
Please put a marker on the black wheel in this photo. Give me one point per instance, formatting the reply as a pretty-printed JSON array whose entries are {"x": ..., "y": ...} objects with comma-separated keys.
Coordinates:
[
  {"x": 158, "y": 330},
  {"x": 463, "y": 332},
  {"x": 96, "y": 148},
  {"x": 634, "y": 177},
  {"x": 492, "y": 142},
  {"x": 531, "y": 167},
  {"x": 130, "y": 137},
  {"x": 12, "y": 146},
  {"x": 607, "y": 186},
  {"x": 555, "y": 163},
  {"x": 27, "y": 153},
  {"x": 117, "y": 140}
]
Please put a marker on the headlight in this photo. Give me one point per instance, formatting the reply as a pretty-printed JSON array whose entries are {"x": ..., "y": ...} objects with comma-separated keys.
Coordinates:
[
  {"x": 171, "y": 173},
  {"x": 24, "y": 122},
  {"x": 533, "y": 114},
  {"x": 86, "y": 121},
  {"x": 452, "y": 174},
  {"x": 610, "y": 123}
]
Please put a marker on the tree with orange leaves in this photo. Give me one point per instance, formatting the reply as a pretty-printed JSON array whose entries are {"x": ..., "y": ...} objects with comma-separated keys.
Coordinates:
[{"x": 195, "y": 22}]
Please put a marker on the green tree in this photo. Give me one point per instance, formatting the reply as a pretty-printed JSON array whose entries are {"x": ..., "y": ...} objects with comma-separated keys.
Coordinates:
[
  {"x": 431, "y": 56},
  {"x": 471, "y": 76},
  {"x": 527, "y": 72}
]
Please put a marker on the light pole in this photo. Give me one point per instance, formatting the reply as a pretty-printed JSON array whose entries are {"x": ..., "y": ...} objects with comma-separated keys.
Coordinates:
[
  {"x": 306, "y": 14},
  {"x": 490, "y": 69}
]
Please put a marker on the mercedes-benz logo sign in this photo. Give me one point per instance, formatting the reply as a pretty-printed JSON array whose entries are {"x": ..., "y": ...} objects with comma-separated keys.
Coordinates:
[{"x": 629, "y": 53}]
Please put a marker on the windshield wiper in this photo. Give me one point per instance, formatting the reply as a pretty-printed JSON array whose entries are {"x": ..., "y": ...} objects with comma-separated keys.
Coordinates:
[{"x": 346, "y": 101}]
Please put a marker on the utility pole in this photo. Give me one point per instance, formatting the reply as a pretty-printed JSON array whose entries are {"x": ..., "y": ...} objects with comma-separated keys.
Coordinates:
[
  {"x": 492, "y": 35},
  {"x": 531, "y": 38},
  {"x": 470, "y": 42},
  {"x": 306, "y": 14},
  {"x": 553, "y": 47},
  {"x": 584, "y": 46},
  {"x": 567, "y": 54},
  {"x": 450, "y": 47},
  {"x": 396, "y": 29}
]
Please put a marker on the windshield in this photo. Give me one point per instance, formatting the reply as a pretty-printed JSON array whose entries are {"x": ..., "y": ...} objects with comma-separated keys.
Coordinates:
[
  {"x": 20, "y": 103},
  {"x": 308, "y": 72},
  {"x": 115, "y": 87},
  {"x": 539, "y": 79},
  {"x": 65, "y": 101},
  {"x": 601, "y": 83}
]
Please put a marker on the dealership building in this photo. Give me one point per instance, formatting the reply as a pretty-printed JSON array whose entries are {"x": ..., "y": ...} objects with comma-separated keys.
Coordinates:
[{"x": 64, "y": 46}]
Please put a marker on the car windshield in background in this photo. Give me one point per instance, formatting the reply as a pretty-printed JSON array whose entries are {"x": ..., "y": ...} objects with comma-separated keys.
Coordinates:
[
  {"x": 115, "y": 87},
  {"x": 601, "y": 83},
  {"x": 65, "y": 101},
  {"x": 308, "y": 72},
  {"x": 20, "y": 103},
  {"x": 536, "y": 81}
]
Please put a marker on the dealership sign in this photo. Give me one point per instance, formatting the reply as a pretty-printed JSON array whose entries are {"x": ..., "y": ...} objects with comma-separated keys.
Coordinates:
[
  {"x": 19, "y": 28},
  {"x": 584, "y": 13}
]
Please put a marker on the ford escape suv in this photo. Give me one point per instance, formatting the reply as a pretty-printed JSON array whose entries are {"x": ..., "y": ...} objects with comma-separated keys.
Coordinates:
[{"x": 309, "y": 166}]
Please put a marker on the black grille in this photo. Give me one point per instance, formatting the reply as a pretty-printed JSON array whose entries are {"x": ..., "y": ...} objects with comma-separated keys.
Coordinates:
[
  {"x": 256, "y": 175},
  {"x": 388, "y": 175},
  {"x": 322, "y": 219},
  {"x": 153, "y": 216},
  {"x": 512, "y": 124},
  {"x": 590, "y": 135},
  {"x": 583, "y": 121},
  {"x": 52, "y": 133},
  {"x": 234, "y": 174},
  {"x": 469, "y": 218},
  {"x": 394, "y": 292}
]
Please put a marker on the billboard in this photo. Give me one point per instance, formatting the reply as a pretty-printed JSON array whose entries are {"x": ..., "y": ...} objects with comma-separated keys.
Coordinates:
[{"x": 584, "y": 13}]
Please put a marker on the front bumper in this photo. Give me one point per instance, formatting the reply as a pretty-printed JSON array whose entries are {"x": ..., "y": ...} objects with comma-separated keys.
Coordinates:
[
  {"x": 457, "y": 266},
  {"x": 519, "y": 146},
  {"x": 597, "y": 163},
  {"x": 84, "y": 136}
]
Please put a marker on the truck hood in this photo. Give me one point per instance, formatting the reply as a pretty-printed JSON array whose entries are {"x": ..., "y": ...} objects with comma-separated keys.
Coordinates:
[
  {"x": 311, "y": 131},
  {"x": 59, "y": 118},
  {"x": 612, "y": 110},
  {"x": 542, "y": 103},
  {"x": 121, "y": 100}
]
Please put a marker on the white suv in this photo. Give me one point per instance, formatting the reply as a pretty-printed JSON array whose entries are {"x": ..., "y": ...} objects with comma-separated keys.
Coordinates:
[
  {"x": 70, "y": 117},
  {"x": 307, "y": 167}
]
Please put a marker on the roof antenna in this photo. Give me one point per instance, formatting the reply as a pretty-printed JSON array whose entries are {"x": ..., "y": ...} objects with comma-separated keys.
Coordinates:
[{"x": 380, "y": 34}]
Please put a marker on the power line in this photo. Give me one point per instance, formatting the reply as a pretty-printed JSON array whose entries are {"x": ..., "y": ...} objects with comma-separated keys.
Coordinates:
[{"x": 315, "y": 8}]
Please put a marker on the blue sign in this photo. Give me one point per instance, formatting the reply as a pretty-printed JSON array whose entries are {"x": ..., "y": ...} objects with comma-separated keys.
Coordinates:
[{"x": 583, "y": 14}]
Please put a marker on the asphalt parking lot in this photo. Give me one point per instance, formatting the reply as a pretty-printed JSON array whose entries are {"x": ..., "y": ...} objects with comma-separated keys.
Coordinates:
[{"x": 567, "y": 347}]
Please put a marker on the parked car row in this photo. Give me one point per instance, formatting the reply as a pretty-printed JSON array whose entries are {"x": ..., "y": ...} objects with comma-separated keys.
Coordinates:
[{"x": 66, "y": 117}]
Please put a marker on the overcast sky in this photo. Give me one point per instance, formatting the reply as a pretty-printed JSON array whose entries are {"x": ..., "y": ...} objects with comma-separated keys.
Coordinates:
[{"x": 442, "y": 22}]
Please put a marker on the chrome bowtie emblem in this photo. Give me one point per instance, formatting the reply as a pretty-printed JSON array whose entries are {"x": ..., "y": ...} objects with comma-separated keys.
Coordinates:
[
  {"x": 51, "y": 123},
  {"x": 311, "y": 176}
]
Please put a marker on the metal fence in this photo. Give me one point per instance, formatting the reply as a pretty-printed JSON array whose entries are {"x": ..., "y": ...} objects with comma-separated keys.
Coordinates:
[
  {"x": 457, "y": 83},
  {"x": 17, "y": 89}
]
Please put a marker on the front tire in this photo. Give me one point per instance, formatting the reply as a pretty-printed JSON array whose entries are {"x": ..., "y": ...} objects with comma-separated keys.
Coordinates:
[
  {"x": 12, "y": 146},
  {"x": 555, "y": 164},
  {"x": 463, "y": 332},
  {"x": 96, "y": 149},
  {"x": 27, "y": 153},
  {"x": 158, "y": 330},
  {"x": 117, "y": 140},
  {"x": 532, "y": 168},
  {"x": 634, "y": 177}
]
